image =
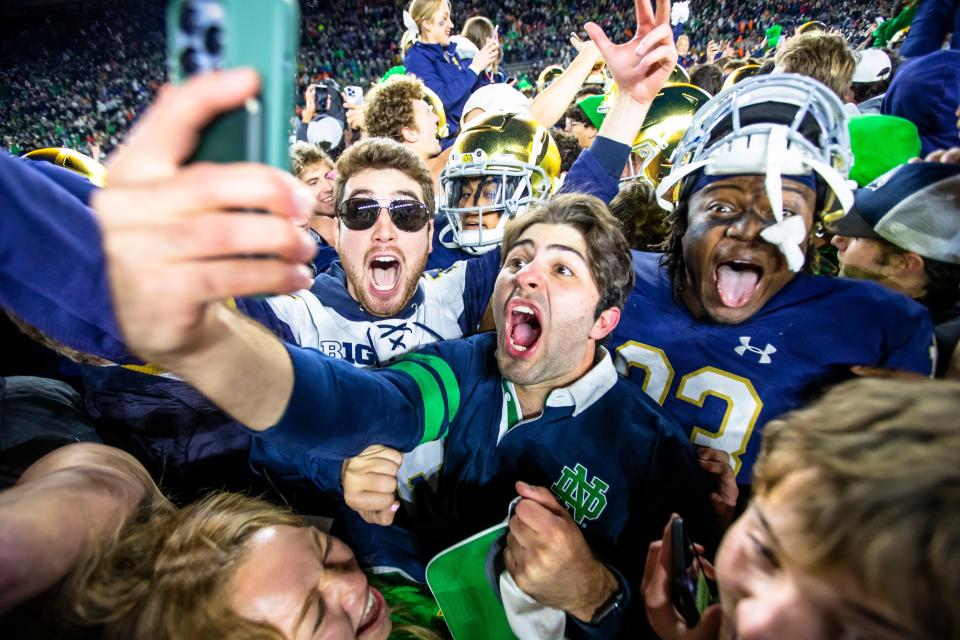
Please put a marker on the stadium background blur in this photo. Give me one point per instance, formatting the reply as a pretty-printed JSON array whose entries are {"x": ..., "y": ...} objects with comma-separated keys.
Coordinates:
[{"x": 78, "y": 73}]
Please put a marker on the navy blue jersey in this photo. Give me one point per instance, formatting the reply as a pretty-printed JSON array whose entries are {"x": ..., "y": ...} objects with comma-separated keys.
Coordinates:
[
  {"x": 722, "y": 383},
  {"x": 617, "y": 463},
  {"x": 442, "y": 256}
]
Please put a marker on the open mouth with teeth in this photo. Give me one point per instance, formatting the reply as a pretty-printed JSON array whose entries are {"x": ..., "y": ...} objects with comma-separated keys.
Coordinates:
[
  {"x": 523, "y": 330},
  {"x": 375, "y": 613},
  {"x": 737, "y": 282},
  {"x": 384, "y": 275}
]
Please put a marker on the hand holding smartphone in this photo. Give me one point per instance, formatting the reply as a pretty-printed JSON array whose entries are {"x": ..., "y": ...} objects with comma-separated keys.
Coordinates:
[{"x": 690, "y": 589}]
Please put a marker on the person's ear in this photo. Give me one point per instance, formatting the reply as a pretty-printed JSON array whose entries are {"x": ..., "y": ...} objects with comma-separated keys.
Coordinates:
[
  {"x": 429, "y": 235},
  {"x": 336, "y": 234},
  {"x": 911, "y": 263},
  {"x": 410, "y": 135},
  {"x": 607, "y": 322}
]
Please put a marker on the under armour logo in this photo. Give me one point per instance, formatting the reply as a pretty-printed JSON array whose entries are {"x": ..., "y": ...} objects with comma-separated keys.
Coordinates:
[
  {"x": 388, "y": 330},
  {"x": 763, "y": 353},
  {"x": 587, "y": 499}
]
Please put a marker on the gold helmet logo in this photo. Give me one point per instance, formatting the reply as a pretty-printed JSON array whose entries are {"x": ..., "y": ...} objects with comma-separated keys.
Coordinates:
[
  {"x": 547, "y": 76},
  {"x": 739, "y": 75}
]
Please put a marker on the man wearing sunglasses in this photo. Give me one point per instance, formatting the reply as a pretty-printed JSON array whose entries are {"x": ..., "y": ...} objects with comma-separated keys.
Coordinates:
[{"x": 376, "y": 303}]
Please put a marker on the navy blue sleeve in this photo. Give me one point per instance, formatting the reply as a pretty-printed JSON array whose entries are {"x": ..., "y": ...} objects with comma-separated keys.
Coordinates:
[
  {"x": 909, "y": 342},
  {"x": 76, "y": 184},
  {"x": 597, "y": 170},
  {"x": 261, "y": 311},
  {"x": 481, "y": 276},
  {"x": 610, "y": 626},
  {"x": 933, "y": 20},
  {"x": 339, "y": 409},
  {"x": 52, "y": 267},
  {"x": 450, "y": 85}
]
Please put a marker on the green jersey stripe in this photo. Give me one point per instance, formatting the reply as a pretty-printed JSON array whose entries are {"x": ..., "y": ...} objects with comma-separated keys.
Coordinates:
[
  {"x": 447, "y": 377},
  {"x": 432, "y": 397}
]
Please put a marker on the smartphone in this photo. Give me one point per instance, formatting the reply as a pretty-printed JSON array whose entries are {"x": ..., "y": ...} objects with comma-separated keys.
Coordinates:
[
  {"x": 208, "y": 35},
  {"x": 321, "y": 97},
  {"x": 354, "y": 94},
  {"x": 690, "y": 589}
]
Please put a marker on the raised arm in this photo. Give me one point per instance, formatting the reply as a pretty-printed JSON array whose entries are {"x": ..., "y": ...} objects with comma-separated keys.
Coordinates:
[
  {"x": 62, "y": 506},
  {"x": 172, "y": 235},
  {"x": 548, "y": 107}
]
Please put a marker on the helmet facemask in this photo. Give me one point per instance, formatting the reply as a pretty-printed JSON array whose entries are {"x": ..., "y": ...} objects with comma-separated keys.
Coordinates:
[
  {"x": 474, "y": 187},
  {"x": 515, "y": 160}
]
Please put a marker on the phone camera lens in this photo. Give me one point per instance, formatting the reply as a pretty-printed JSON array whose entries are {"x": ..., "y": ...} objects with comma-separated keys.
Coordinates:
[
  {"x": 213, "y": 40},
  {"x": 188, "y": 17},
  {"x": 190, "y": 61}
]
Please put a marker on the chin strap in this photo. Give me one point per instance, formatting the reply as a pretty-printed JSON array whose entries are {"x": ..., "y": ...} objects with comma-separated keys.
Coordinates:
[{"x": 446, "y": 232}]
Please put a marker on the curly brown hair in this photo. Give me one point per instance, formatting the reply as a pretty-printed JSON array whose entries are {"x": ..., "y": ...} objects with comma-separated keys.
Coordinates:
[{"x": 388, "y": 107}]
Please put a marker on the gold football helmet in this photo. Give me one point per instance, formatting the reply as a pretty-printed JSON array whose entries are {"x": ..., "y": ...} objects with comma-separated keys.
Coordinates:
[
  {"x": 499, "y": 165},
  {"x": 547, "y": 76},
  {"x": 741, "y": 74},
  {"x": 670, "y": 114},
  {"x": 812, "y": 25},
  {"x": 434, "y": 101},
  {"x": 73, "y": 160},
  {"x": 678, "y": 75}
]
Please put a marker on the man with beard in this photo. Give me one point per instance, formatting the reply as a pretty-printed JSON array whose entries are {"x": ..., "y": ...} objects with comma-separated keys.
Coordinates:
[
  {"x": 898, "y": 234},
  {"x": 376, "y": 303},
  {"x": 725, "y": 330},
  {"x": 560, "y": 292}
]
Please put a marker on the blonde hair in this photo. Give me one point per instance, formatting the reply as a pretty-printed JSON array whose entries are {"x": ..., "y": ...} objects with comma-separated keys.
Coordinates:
[
  {"x": 875, "y": 485},
  {"x": 822, "y": 56},
  {"x": 166, "y": 575},
  {"x": 304, "y": 155},
  {"x": 422, "y": 10}
]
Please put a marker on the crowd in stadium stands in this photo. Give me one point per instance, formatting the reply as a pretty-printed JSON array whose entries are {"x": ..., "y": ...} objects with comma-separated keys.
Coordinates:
[
  {"x": 667, "y": 311},
  {"x": 79, "y": 79}
]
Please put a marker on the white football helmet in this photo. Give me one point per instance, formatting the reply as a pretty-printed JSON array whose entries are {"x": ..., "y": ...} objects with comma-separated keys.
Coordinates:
[{"x": 771, "y": 125}]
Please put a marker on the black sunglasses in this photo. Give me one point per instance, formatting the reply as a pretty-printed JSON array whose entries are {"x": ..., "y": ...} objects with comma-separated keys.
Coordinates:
[{"x": 359, "y": 214}]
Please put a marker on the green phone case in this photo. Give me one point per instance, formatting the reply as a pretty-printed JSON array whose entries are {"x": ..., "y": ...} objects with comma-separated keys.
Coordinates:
[{"x": 264, "y": 35}]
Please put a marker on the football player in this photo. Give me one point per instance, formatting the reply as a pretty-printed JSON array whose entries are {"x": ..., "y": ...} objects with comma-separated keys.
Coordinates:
[
  {"x": 500, "y": 165},
  {"x": 726, "y": 330}
]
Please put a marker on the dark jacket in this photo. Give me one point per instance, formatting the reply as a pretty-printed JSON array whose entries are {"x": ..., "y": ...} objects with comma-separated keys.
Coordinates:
[{"x": 447, "y": 76}]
